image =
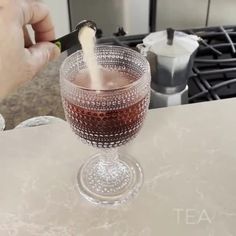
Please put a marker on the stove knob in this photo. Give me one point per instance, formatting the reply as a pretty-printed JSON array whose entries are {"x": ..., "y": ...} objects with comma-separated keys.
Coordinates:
[
  {"x": 120, "y": 32},
  {"x": 99, "y": 33}
]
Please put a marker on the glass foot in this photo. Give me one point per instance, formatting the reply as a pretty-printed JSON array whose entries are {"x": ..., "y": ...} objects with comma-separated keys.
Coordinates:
[{"x": 110, "y": 181}]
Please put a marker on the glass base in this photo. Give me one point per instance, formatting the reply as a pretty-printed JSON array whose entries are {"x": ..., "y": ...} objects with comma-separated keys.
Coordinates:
[{"x": 110, "y": 181}]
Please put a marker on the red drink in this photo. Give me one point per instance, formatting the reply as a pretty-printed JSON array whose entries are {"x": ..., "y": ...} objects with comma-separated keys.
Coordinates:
[{"x": 105, "y": 127}]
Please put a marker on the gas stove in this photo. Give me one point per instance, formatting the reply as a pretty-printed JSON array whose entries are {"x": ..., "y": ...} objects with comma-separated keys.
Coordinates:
[{"x": 214, "y": 71}]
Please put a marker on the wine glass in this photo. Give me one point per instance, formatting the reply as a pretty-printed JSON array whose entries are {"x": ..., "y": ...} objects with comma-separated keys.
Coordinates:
[
  {"x": 107, "y": 119},
  {"x": 38, "y": 121},
  {"x": 2, "y": 123}
]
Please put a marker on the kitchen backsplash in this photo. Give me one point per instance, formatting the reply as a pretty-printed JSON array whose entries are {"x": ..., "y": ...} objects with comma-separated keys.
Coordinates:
[
  {"x": 195, "y": 13},
  {"x": 222, "y": 12},
  {"x": 182, "y": 14},
  {"x": 133, "y": 15}
]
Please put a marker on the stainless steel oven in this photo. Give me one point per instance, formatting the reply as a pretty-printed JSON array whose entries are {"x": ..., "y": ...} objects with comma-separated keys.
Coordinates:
[
  {"x": 142, "y": 16},
  {"x": 132, "y": 15}
]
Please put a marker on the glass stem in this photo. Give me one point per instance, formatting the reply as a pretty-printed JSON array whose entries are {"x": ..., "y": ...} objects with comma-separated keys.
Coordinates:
[{"x": 109, "y": 155}]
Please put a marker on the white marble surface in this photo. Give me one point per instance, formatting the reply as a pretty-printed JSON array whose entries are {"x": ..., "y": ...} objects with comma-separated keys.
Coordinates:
[{"x": 189, "y": 162}]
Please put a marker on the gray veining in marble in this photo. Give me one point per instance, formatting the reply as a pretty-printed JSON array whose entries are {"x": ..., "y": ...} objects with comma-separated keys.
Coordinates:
[{"x": 189, "y": 162}]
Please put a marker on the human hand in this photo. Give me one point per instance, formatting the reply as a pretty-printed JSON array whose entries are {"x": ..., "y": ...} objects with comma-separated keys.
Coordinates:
[{"x": 20, "y": 60}]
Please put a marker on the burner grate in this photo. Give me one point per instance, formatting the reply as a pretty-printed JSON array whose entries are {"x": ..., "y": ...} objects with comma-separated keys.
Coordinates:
[{"x": 214, "y": 71}]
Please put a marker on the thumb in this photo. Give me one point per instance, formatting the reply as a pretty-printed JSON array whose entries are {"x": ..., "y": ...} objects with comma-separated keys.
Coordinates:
[{"x": 40, "y": 54}]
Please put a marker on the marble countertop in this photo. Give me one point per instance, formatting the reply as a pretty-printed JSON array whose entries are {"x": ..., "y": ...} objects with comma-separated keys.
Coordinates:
[{"x": 189, "y": 162}]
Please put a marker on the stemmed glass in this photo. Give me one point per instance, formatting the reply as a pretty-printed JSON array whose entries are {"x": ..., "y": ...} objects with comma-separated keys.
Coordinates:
[
  {"x": 107, "y": 119},
  {"x": 2, "y": 123}
]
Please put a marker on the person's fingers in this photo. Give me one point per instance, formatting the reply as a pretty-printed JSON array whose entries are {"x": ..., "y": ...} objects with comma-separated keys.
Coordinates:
[
  {"x": 39, "y": 55},
  {"x": 28, "y": 41},
  {"x": 38, "y": 15}
]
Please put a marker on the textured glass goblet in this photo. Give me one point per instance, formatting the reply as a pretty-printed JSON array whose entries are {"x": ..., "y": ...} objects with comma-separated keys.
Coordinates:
[{"x": 107, "y": 119}]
